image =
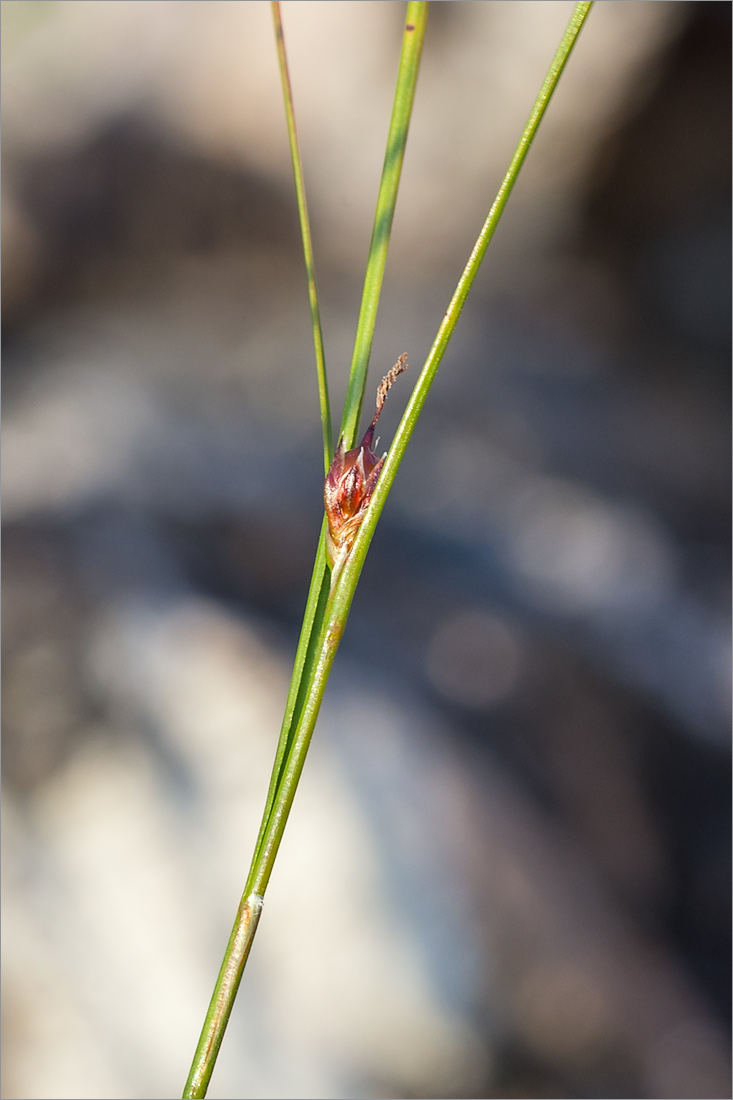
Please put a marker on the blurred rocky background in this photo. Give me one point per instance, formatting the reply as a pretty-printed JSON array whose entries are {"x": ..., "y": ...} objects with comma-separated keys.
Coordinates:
[{"x": 507, "y": 872}]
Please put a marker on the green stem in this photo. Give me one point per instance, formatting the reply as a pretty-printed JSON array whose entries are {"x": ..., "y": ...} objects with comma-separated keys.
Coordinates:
[
  {"x": 322, "y": 632},
  {"x": 312, "y": 622},
  {"x": 309, "y": 662},
  {"x": 305, "y": 231},
  {"x": 353, "y": 566},
  {"x": 412, "y": 43},
  {"x": 227, "y": 984},
  {"x": 342, "y": 593}
]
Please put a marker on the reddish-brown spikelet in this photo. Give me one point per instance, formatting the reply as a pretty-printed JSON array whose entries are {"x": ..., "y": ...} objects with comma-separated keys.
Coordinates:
[{"x": 352, "y": 478}]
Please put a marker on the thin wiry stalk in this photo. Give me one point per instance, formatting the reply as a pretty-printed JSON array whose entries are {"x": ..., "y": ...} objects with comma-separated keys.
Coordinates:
[
  {"x": 412, "y": 43},
  {"x": 305, "y": 231},
  {"x": 413, "y": 37},
  {"x": 342, "y": 593},
  {"x": 310, "y": 643},
  {"x": 327, "y": 625},
  {"x": 420, "y": 392}
]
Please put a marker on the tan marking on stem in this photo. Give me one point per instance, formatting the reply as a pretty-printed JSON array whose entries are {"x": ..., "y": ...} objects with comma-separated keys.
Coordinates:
[{"x": 248, "y": 917}]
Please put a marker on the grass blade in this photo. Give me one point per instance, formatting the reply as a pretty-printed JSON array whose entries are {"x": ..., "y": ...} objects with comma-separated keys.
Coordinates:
[
  {"x": 352, "y": 569},
  {"x": 305, "y": 233},
  {"x": 412, "y": 43},
  {"x": 413, "y": 37},
  {"x": 300, "y": 699},
  {"x": 341, "y": 596},
  {"x": 322, "y": 632}
]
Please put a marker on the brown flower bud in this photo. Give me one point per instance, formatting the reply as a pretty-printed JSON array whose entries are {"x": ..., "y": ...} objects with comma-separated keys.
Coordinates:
[{"x": 352, "y": 478}]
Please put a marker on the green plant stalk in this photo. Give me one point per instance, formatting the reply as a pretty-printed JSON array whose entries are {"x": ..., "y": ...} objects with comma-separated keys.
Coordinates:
[
  {"x": 412, "y": 43},
  {"x": 331, "y": 630},
  {"x": 318, "y": 587},
  {"x": 353, "y": 566},
  {"x": 312, "y": 622},
  {"x": 342, "y": 593},
  {"x": 305, "y": 231},
  {"x": 308, "y": 658}
]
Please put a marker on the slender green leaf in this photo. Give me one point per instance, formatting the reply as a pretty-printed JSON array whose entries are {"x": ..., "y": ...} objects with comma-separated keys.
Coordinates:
[
  {"x": 342, "y": 593},
  {"x": 412, "y": 43},
  {"x": 307, "y": 661},
  {"x": 413, "y": 37},
  {"x": 305, "y": 232},
  {"x": 324, "y": 628},
  {"x": 352, "y": 568}
]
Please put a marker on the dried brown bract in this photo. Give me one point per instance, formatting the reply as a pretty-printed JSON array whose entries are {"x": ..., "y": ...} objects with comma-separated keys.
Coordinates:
[{"x": 352, "y": 478}]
